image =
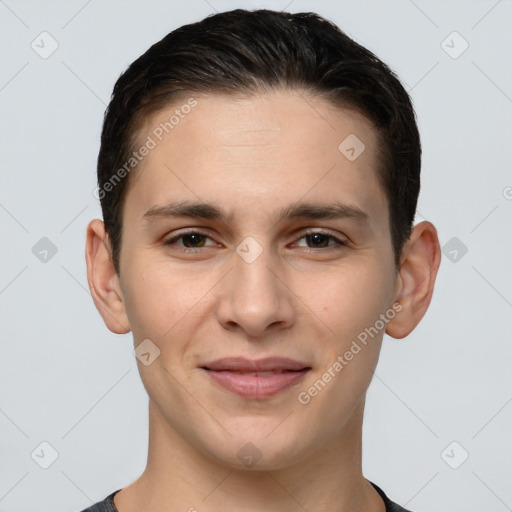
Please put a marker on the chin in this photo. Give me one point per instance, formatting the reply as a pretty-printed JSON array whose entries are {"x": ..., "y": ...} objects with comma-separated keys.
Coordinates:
[{"x": 260, "y": 452}]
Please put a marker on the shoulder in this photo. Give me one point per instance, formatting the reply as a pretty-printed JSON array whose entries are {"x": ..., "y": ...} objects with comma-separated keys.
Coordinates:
[
  {"x": 106, "y": 505},
  {"x": 390, "y": 505}
]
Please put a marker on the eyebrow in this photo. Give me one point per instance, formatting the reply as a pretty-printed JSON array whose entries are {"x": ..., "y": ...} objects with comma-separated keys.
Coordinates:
[{"x": 210, "y": 211}]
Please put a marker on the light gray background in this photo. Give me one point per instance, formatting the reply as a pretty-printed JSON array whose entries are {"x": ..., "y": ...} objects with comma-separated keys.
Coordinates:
[{"x": 68, "y": 381}]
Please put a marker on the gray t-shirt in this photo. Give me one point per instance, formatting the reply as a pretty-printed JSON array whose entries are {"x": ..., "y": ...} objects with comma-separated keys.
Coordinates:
[{"x": 107, "y": 505}]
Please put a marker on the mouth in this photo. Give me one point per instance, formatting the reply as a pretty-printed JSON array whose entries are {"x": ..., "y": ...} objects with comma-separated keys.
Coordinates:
[
  {"x": 256, "y": 379},
  {"x": 256, "y": 374}
]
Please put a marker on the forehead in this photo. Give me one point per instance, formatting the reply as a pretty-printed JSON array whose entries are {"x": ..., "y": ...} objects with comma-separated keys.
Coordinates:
[{"x": 266, "y": 149}]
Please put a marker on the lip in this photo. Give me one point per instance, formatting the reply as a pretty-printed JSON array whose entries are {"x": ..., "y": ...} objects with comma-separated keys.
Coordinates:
[
  {"x": 239, "y": 375},
  {"x": 243, "y": 364}
]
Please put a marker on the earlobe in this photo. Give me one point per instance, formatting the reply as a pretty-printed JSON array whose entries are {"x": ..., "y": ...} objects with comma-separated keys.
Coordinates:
[
  {"x": 417, "y": 275},
  {"x": 103, "y": 280}
]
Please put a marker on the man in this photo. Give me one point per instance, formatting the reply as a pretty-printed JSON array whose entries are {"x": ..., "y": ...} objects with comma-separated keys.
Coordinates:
[{"x": 258, "y": 176}]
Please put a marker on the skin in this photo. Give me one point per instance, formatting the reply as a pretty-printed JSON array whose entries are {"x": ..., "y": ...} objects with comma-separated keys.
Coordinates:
[{"x": 304, "y": 297}]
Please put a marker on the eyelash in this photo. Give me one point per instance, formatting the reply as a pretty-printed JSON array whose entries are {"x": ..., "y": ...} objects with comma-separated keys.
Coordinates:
[{"x": 339, "y": 243}]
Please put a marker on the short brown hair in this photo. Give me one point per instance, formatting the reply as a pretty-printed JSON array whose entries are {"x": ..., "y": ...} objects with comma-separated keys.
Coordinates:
[{"x": 243, "y": 51}]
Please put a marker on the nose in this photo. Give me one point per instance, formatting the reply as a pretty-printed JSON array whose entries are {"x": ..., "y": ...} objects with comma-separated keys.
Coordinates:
[{"x": 255, "y": 298}]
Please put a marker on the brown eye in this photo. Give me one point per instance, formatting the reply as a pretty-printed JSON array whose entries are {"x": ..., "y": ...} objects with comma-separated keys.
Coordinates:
[
  {"x": 190, "y": 240},
  {"x": 320, "y": 240},
  {"x": 193, "y": 240},
  {"x": 317, "y": 240}
]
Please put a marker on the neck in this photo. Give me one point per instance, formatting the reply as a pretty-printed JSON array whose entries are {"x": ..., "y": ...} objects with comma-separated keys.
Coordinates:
[{"x": 180, "y": 477}]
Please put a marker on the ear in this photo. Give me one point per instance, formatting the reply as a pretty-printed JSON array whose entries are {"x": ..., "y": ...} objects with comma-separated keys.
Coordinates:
[
  {"x": 420, "y": 261},
  {"x": 103, "y": 280}
]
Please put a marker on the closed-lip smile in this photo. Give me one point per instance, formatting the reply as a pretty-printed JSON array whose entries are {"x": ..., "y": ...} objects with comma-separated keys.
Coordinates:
[{"x": 256, "y": 378}]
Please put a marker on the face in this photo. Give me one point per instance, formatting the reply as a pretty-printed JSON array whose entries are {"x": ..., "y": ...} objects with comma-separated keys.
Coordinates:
[{"x": 251, "y": 241}]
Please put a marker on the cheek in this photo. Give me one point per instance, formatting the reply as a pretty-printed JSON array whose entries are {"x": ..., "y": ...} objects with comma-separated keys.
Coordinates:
[
  {"x": 349, "y": 302},
  {"x": 158, "y": 298},
  {"x": 346, "y": 300}
]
